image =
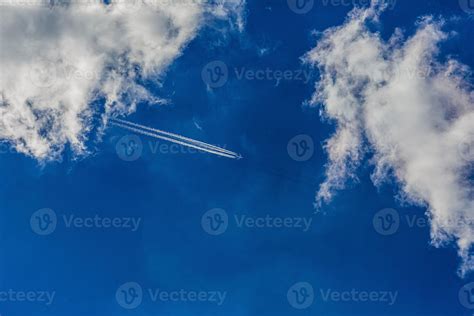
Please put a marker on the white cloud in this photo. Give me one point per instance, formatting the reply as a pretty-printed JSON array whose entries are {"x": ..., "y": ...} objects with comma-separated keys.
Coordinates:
[
  {"x": 414, "y": 113},
  {"x": 57, "y": 57}
]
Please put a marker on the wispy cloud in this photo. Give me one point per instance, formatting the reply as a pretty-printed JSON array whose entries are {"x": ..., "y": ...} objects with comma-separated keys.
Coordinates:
[
  {"x": 57, "y": 57},
  {"x": 395, "y": 99}
]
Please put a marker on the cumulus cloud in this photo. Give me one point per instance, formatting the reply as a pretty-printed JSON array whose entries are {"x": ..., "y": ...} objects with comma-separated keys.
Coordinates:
[
  {"x": 58, "y": 56},
  {"x": 395, "y": 100}
]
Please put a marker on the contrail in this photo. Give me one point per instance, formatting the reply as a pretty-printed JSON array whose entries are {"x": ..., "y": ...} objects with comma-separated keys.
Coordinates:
[
  {"x": 220, "y": 153},
  {"x": 174, "y": 138}
]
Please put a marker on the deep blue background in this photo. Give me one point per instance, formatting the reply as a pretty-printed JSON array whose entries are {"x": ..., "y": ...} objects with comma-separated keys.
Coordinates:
[{"x": 170, "y": 192}]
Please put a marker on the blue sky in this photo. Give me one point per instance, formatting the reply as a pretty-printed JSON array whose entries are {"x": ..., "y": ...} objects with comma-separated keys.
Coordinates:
[{"x": 340, "y": 254}]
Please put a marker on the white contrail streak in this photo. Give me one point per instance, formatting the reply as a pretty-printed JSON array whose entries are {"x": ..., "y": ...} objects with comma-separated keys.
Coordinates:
[
  {"x": 174, "y": 136},
  {"x": 181, "y": 140},
  {"x": 233, "y": 156}
]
